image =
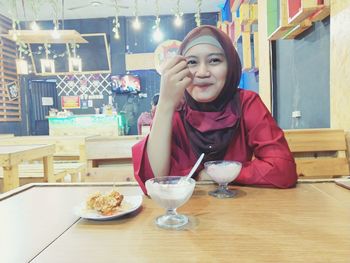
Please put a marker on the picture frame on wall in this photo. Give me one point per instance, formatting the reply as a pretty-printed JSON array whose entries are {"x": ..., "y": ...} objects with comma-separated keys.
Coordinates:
[{"x": 12, "y": 89}]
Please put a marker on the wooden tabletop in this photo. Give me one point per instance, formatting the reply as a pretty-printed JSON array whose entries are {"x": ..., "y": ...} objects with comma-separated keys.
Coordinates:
[
  {"x": 14, "y": 154},
  {"x": 310, "y": 223}
]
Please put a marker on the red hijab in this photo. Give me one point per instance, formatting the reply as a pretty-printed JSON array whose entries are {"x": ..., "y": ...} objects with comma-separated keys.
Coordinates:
[{"x": 211, "y": 125}]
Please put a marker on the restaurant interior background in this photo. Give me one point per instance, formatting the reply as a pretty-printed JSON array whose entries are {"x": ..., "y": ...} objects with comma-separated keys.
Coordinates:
[{"x": 297, "y": 64}]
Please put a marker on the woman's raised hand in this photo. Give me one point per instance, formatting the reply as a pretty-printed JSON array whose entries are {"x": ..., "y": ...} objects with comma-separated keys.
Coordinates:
[{"x": 176, "y": 77}]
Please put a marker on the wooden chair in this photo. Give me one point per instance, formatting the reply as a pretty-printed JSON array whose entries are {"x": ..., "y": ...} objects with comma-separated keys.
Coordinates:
[
  {"x": 109, "y": 158},
  {"x": 319, "y": 153}
]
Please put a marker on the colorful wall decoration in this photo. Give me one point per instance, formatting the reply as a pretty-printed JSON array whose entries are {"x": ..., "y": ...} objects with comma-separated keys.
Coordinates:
[
  {"x": 239, "y": 19},
  {"x": 286, "y": 19}
]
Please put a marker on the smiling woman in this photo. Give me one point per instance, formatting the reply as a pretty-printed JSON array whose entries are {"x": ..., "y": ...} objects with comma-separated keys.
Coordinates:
[{"x": 217, "y": 118}]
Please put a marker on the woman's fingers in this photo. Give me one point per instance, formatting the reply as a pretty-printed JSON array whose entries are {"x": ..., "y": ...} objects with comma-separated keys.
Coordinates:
[
  {"x": 183, "y": 73},
  {"x": 171, "y": 63},
  {"x": 185, "y": 81}
]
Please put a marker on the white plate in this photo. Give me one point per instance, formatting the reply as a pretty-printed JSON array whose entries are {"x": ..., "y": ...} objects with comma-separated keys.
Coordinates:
[{"x": 130, "y": 204}]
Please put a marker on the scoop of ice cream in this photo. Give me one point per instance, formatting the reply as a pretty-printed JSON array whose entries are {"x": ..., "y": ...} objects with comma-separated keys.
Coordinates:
[
  {"x": 172, "y": 195},
  {"x": 224, "y": 172}
]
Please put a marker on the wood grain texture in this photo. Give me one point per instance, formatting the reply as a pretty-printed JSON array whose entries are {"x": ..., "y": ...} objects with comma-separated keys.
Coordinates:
[
  {"x": 339, "y": 63},
  {"x": 307, "y": 224},
  {"x": 319, "y": 153}
]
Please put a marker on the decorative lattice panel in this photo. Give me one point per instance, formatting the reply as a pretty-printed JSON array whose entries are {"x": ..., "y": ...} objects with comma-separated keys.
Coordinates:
[
  {"x": 81, "y": 84},
  {"x": 10, "y": 101}
]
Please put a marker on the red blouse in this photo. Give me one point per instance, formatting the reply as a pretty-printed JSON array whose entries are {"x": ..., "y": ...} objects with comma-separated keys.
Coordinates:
[{"x": 273, "y": 164}]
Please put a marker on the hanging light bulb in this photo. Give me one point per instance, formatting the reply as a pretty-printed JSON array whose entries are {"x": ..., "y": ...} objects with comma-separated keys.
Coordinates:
[
  {"x": 116, "y": 34},
  {"x": 55, "y": 34},
  {"x": 116, "y": 21},
  {"x": 14, "y": 36},
  {"x": 158, "y": 35},
  {"x": 198, "y": 13},
  {"x": 136, "y": 24},
  {"x": 34, "y": 26},
  {"x": 178, "y": 21},
  {"x": 178, "y": 15}
]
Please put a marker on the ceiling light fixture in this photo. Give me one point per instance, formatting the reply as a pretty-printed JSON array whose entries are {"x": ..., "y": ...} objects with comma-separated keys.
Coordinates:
[
  {"x": 136, "y": 24},
  {"x": 157, "y": 34},
  {"x": 116, "y": 21},
  {"x": 178, "y": 15},
  {"x": 197, "y": 15}
]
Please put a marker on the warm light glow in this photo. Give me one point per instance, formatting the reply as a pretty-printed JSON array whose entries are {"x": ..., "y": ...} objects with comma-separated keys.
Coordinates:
[
  {"x": 178, "y": 21},
  {"x": 14, "y": 36},
  {"x": 55, "y": 34},
  {"x": 22, "y": 66},
  {"x": 116, "y": 34},
  {"x": 47, "y": 65},
  {"x": 136, "y": 24},
  {"x": 75, "y": 65},
  {"x": 34, "y": 26},
  {"x": 157, "y": 35}
]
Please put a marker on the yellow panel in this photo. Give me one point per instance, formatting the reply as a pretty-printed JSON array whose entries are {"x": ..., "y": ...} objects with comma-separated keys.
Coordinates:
[
  {"x": 247, "y": 51},
  {"x": 264, "y": 55},
  {"x": 254, "y": 13},
  {"x": 238, "y": 29},
  {"x": 140, "y": 61},
  {"x": 256, "y": 50},
  {"x": 340, "y": 64}
]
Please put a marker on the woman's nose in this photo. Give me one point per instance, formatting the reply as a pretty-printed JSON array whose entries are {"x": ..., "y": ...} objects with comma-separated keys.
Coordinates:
[{"x": 202, "y": 70}]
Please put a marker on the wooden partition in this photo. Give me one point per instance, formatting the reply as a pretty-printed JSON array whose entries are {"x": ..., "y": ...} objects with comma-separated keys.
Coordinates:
[{"x": 10, "y": 103}]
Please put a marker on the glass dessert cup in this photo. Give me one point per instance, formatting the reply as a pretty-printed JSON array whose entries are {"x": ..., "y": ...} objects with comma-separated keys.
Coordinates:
[
  {"x": 170, "y": 193},
  {"x": 223, "y": 172}
]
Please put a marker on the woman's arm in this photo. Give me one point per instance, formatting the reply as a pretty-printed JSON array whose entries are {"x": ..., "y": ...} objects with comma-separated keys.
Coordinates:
[
  {"x": 273, "y": 164},
  {"x": 175, "y": 78}
]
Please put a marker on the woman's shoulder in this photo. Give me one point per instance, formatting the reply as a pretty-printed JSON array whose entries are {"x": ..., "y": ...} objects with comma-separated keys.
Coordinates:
[{"x": 247, "y": 94}]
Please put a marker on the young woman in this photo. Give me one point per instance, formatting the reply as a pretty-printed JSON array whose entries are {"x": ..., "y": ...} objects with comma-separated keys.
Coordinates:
[{"x": 216, "y": 118}]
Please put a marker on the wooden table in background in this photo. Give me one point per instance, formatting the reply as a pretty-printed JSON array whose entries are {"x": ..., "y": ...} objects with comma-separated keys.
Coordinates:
[
  {"x": 6, "y": 135},
  {"x": 310, "y": 223},
  {"x": 12, "y": 155}
]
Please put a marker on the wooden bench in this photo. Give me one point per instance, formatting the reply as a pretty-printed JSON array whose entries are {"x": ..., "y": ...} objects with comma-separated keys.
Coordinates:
[
  {"x": 34, "y": 172},
  {"x": 319, "y": 153},
  {"x": 110, "y": 159}
]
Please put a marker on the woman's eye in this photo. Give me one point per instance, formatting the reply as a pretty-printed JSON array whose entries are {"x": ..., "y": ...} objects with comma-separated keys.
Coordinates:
[
  {"x": 191, "y": 62},
  {"x": 214, "y": 60}
]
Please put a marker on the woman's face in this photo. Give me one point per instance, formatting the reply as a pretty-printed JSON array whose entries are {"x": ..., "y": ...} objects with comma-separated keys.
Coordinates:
[{"x": 208, "y": 66}]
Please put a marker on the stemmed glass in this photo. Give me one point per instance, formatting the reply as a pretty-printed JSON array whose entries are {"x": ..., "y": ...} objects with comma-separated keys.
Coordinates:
[
  {"x": 170, "y": 193},
  {"x": 223, "y": 172}
]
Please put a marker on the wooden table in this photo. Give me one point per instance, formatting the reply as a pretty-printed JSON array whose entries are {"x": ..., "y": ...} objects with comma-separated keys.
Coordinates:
[
  {"x": 6, "y": 135},
  {"x": 12, "y": 155},
  {"x": 310, "y": 223}
]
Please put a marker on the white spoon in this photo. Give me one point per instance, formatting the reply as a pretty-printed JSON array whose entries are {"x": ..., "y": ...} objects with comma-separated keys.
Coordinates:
[{"x": 194, "y": 168}]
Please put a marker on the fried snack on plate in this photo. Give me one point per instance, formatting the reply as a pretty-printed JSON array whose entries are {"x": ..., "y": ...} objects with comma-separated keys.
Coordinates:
[{"x": 106, "y": 204}]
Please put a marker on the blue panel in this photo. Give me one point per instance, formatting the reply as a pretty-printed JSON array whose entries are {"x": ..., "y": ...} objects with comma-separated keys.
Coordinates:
[{"x": 226, "y": 12}]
